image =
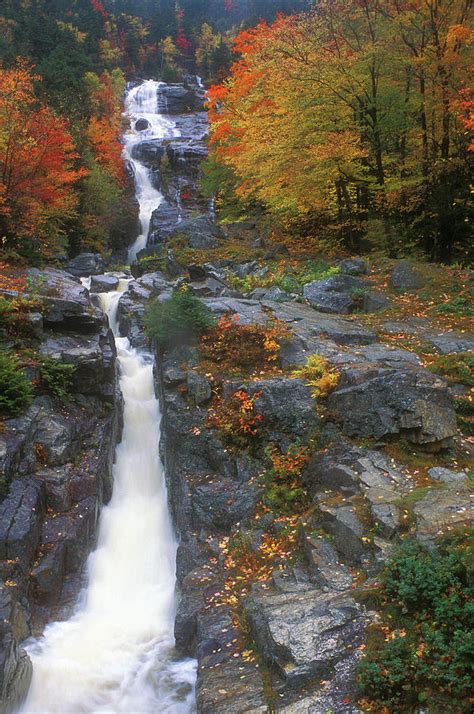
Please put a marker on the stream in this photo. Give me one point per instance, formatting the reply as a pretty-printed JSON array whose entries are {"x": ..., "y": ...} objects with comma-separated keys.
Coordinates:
[{"x": 116, "y": 653}]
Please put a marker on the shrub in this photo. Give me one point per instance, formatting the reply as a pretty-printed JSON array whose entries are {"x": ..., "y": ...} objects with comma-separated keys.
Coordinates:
[
  {"x": 14, "y": 314},
  {"x": 284, "y": 492},
  {"x": 56, "y": 377},
  {"x": 236, "y": 418},
  {"x": 429, "y": 595},
  {"x": 318, "y": 375},
  {"x": 234, "y": 347},
  {"x": 16, "y": 391},
  {"x": 179, "y": 319},
  {"x": 455, "y": 367},
  {"x": 458, "y": 306}
]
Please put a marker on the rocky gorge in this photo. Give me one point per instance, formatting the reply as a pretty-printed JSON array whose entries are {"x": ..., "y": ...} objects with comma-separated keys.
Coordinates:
[{"x": 269, "y": 590}]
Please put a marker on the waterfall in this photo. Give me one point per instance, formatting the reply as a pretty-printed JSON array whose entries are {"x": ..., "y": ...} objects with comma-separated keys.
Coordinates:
[
  {"x": 142, "y": 103},
  {"x": 115, "y": 655}
]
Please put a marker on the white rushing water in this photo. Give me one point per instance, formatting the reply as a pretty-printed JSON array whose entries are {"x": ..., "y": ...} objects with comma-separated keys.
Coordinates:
[
  {"x": 142, "y": 104},
  {"x": 115, "y": 655}
]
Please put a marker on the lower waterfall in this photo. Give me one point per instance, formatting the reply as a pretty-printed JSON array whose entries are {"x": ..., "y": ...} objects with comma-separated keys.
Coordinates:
[{"x": 115, "y": 655}]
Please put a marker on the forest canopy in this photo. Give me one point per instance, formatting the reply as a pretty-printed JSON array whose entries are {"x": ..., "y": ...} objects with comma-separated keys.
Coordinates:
[{"x": 354, "y": 116}]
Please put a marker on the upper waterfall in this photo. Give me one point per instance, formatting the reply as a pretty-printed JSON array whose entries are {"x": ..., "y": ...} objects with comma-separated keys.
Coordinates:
[{"x": 141, "y": 108}]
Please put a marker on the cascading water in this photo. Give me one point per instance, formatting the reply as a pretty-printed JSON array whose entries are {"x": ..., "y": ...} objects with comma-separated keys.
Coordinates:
[
  {"x": 142, "y": 104},
  {"x": 116, "y": 653}
]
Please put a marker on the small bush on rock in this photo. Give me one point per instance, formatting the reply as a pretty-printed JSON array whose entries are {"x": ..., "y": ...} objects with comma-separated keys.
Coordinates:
[
  {"x": 236, "y": 418},
  {"x": 284, "y": 492},
  {"x": 179, "y": 319},
  {"x": 56, "y": 377},
  {"x": 16, "y": 391},
  {"x": 426, "y": 653},
  {"x": 318, "y": 375},
  {"x": 237, "y": 348}
]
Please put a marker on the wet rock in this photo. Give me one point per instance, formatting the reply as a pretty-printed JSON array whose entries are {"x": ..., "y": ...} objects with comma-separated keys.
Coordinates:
[
  {"x": 149, "y": 152},
  {"x": 103, "y": 283},
  {"x": 354, "y": 266},
  {"x": 132, "y": 305},
  {"x": 142, "y": 125},
  {"x": 200, "y": 232},
  {"x": 225, "y": 683},
  {"x": 334, "y": 294},
  {"x": 86, "y": 264},
  {"x": 186, "y": 155},
  {"x": 15, "y": 666},
  {"x": 178, "y": 99},
  {"x": 20, "y": 521},
  {"x": 405, "y": 277},
  {"x": 374, "y": 402},
  {"x": 305, "y": 635},
  {"x": 48, "y": 575}
]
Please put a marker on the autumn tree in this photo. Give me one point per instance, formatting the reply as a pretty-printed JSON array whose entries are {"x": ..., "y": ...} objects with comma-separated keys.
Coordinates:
[
  {"x": 349, "y": 116},
  {"x": 38, "y": 170}
]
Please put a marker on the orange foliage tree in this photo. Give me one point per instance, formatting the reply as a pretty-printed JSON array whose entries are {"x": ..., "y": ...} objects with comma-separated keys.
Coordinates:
[{"x": 37, "y": 169}]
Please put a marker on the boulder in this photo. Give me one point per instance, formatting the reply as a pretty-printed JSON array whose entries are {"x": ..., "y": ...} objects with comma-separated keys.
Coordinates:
[
  {"x": 92, "y": 356},
  {"x": 374, "y": 301},
  {"x": 66, "y": 303},
  {"x": 164, "y": 220},
  {"x": 405, "y": 277},
  {"x": 287, "y": 407},
  {"x": 86, "y": 264},
  {"x": 276, "y": 294},
  {"x": 336, "y": 294},
  {"x": 452, "y": 342},
  {"x": 438, "y": 473},
  {"x": 354, "y": 266},
  {"x": 103, "y": 283},
  {"x": 304, "y": 635},
  {"x": 442, "y": 510},
  {"x": 376, "y": 402},
  {"x": 142, "y": 125}
]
